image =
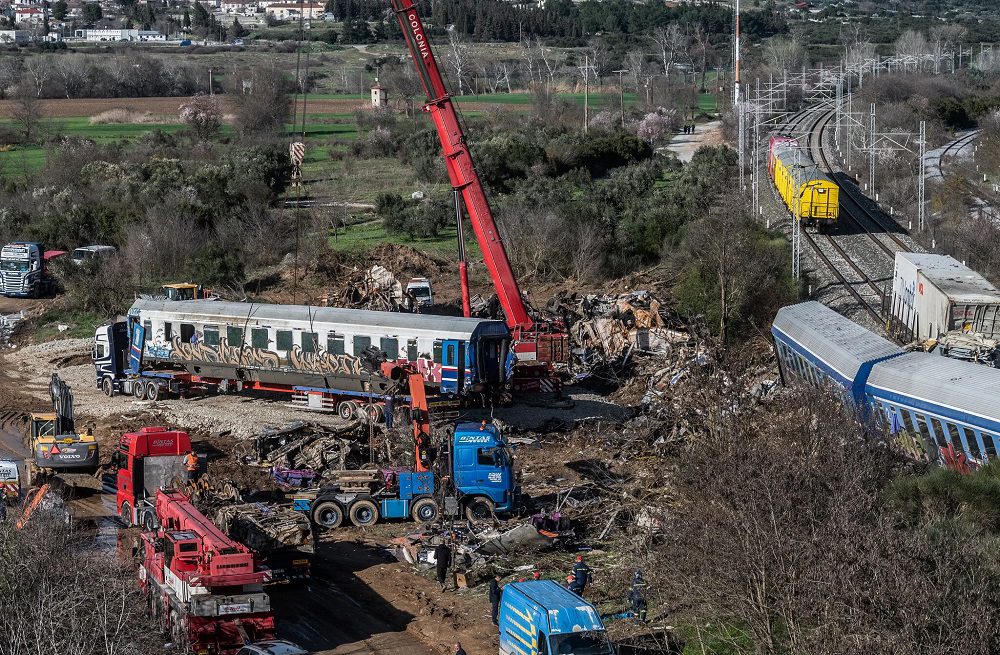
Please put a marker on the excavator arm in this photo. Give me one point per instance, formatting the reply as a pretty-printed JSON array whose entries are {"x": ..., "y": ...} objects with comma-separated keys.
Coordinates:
[{"x": 461, "y": 170}]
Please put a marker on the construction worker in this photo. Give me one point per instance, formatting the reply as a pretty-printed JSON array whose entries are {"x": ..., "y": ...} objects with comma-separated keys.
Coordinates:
[
  {"x": 458, "y": 650},
  {"x": 191, "y": 462},
  {"x": 636, "y": 597},
  {"x": 495, "y": 593},
  {"x": 571, "y": 583},
  {"x": 442, "y": 559},
  {"x": 581, "y": 575}
]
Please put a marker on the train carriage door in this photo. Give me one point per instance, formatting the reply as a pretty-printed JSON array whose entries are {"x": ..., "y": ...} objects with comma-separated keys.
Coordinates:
[{"x": 452, "y": 365}]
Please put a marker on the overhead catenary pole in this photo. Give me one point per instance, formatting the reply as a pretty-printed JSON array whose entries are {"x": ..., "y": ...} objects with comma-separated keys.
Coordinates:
[
  {"x": 921, "y": 175},
  {"x": 871, "y": 152}
]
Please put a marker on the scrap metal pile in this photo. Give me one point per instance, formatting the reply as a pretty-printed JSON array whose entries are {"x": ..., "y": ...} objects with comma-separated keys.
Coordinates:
[
  {"x": 8, "y": 324},
  {"x": 264, "y": 527}
]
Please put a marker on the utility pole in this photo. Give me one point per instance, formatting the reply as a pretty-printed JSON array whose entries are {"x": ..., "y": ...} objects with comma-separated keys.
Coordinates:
[
  {"x": 211, "y": 91},
  {"x": 621, "y": 90},
  {"x": 922, "y": 173},
  {"x": 871, "y": 152}
]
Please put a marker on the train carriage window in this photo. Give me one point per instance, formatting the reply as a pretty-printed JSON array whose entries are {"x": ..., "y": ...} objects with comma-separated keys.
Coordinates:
[
  {"x": 989, "y": 442},
  {"x": 187, "y": 331},
  {"x": 390, "y": 347},
  {"x": 168, "y": 331},
  {"x": 211, "y": 335},
  {"x": 971, "y": 442},
  {"x": 437, "y": 351},
  {"x": 412, "y": 353},
  {"x": 147, "y": 327},
  {"x": 948, "y": 432},
  {"x": 361, "y": 344},
  {"x": 234, "y": 336},
  {"x": 310, "y": 342},
  {"x": 259, "y": 338},
  {"x": 283, "y": 339},
  {"x": 335, "y": 344}
]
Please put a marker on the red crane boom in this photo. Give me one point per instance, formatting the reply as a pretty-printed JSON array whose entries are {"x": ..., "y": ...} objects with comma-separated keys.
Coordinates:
[{"x": 462, "y": 171}]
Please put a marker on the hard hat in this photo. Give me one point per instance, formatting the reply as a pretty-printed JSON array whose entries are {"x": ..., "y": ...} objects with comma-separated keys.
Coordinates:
[
  {"x": 570, "y": 578},
  {"x": 579, "y": 558}
]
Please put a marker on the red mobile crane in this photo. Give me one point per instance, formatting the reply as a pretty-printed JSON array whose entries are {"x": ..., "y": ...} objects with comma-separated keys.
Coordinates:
[
  {"x": 206, "y": 589},
  {"x": 530, "y": 343}
]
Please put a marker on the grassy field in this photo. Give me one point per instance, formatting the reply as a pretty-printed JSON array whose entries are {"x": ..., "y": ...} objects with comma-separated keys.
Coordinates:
[{"x": 366, "y": 235}]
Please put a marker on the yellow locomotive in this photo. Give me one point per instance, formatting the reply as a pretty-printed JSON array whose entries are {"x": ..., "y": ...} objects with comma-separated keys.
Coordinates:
[{"x": 810, "y": 194}]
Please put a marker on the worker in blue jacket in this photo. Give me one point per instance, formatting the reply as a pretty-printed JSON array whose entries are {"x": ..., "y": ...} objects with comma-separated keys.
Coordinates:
[{"x": 581, "y": 576}]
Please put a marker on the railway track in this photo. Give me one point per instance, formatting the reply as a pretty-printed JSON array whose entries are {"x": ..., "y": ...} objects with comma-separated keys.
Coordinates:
[{"x": 851, "y": 276}]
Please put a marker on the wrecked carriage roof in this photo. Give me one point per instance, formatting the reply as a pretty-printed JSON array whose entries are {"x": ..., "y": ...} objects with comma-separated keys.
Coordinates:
[
  {"x": 566, "y": 611},
  {"x": 254, "y": 313}
]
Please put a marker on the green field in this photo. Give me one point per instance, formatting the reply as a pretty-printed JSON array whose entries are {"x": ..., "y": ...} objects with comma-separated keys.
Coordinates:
[{"x": 367, "y": 235}]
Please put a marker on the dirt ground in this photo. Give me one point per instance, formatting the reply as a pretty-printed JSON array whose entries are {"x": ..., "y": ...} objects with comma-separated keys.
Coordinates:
[{"x": 706, "y": 134}]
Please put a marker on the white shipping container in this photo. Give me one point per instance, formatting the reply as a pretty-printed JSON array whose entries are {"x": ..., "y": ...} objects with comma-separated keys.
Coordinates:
[{"x": 935, "y": 294}]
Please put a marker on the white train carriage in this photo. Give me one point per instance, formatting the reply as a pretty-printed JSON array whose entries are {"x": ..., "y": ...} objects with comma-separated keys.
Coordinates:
[{"x": 288, "y": 347}]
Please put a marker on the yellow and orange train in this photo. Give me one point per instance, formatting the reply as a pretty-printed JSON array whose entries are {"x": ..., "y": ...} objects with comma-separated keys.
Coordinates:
[{"x": 810, "y": 194}]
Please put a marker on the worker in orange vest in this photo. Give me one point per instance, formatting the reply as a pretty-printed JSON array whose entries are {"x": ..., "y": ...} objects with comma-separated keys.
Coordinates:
[{"x": 191, "y": 462}]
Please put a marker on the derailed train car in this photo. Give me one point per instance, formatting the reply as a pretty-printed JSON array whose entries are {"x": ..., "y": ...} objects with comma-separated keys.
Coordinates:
[
  {"x": 165, "y": 345},
  {"x": 810, "y": 194},
  {"x": 937, "y": 408}
]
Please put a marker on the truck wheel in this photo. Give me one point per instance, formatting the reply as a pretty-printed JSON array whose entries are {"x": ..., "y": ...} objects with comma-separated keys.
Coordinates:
[
  {"x": 328, "y": 514},
  {"x": 139, "y": 389},
  {"x": 346, "y": 409},
  {"x": 374, "y": 413},
  {"x": 108, "y": 387},
  {"x": 364, "y": 513},
  {"x": 479, "y": 509},
  {"x": 148, "y": 521},
  {"x": 125, "y": 514},
  {"x": 152, "y": 391},
  {"x": 424, "y": 510}
]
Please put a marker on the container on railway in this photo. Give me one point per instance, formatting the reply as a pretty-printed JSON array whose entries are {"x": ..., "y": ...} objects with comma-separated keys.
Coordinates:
[
  {"x": 808, "y": 193},
  {"x": 935, "y": 408},
  {"x": 936, "y": 294}
]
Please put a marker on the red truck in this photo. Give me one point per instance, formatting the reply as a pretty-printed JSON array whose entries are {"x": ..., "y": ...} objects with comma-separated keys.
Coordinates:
[{"x": 206, "y": 590}]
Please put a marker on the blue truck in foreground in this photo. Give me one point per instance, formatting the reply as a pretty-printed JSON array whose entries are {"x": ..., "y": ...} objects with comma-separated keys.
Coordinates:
[
  {"x": 541, "y": 617},
  {"x": 477, "y": 466}
]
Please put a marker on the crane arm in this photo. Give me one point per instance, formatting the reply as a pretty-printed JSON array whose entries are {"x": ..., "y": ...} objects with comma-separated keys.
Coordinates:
[{"x": 461, "y": 170}]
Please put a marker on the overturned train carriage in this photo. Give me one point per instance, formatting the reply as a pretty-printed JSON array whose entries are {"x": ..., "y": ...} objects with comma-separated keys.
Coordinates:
[
  {"x": 934, "y": 407},
  {"x": 302, "y": 346},
  {"x": 806, "y": 190}
]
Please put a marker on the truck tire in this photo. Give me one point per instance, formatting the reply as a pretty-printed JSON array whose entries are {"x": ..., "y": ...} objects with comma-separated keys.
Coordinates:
[
  {"x": 346, "y": 409},
  {"x": 363, "y": 513},
  {"x": 148, "y": 521},
  {"x": 328, "y": 514},
  {"x": 152, "y": 391},
  {"x": 139, "y": 389},
  {"x": 108, "y": 387},
  {"x": 424, "y": 510},
  {"x": 374, "y": 413},
  {"x": 479, "y": 509},
  {"x": 125, "y": 514}
]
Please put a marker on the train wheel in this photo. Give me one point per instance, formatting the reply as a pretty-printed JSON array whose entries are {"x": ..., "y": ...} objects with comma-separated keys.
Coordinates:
[
  {"x": 346, "y": 409},
  {"x": 108, "y": 387},
  {"x": 139, "y": 389},
  {"x": 152, "y": 391},
  {"x": 364, "y": 513},
  {"x": 424, "y": 510},
  {"x": 328, "y": 514},
  {"x": 479, "y": 509}
]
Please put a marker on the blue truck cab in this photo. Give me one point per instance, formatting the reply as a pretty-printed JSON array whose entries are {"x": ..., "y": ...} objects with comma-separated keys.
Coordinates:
[
  {"x": 481, "y": 472},
  {"x": 541, "y": 617}
]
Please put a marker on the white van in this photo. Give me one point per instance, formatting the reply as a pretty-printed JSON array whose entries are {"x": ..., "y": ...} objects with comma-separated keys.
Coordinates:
[
  {"x": 420, "y": 289},
  {"x": 86, "y": 253}
]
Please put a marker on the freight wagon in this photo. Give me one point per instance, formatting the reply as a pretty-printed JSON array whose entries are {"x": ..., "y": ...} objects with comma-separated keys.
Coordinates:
[
  {"x": 808, "y": 193},
  {"x": 935, "y": 294},
  {"x": 315, "y": 353}
]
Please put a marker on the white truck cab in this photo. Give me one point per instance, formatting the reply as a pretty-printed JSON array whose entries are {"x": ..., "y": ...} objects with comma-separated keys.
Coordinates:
[
  {"x": 420, "y": 288},
  {"x": 10, "y": 481},
  {"x": 86, "y": 253}
]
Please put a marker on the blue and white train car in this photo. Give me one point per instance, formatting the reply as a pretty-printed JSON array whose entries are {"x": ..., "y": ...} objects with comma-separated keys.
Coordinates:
[
  {"x": 940, "y": 409},
  {"x": 948, "y": 407},
  {"x": 816, "y": 344}
]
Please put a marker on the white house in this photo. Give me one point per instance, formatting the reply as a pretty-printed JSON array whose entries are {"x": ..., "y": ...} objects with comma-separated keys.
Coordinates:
[
  {"x": 119, "y": 35},
  {"x": 290, "y": 11},
  {"x": 29, "y": 15}
]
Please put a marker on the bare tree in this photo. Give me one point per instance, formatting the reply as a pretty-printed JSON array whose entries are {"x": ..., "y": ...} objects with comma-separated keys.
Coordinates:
[
  {"x": 784, "y": 54},
  {"x": 635, "y": 61},
  {"x": 27, "y": 109},
  {"x": 670, "y": 40},
  {"x": 600, "y": 58},
  {"x": 528, "y": 52},
  {"x": 38, "y": 69},
  {"x": 548, "y": 60},
  {"x": 459, "y": 58},
  {"x": 943, "y": 38},
  {"x": 701, "y": 48},
  {"x": 71, "y": 71},
  {"x": 912, "y": 43}
]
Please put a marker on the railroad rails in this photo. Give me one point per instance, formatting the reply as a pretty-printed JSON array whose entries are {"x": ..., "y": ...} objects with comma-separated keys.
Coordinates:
[{"x": 850, "y": 269}]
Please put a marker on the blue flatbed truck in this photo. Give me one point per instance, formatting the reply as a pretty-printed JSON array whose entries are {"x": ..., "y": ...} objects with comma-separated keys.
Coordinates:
[
  {"x": 541, "y": 617},
  {"x": 481, "y": 479}
]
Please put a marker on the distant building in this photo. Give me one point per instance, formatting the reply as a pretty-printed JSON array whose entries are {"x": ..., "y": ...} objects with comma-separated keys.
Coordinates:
[
  {"x": 380, "y": 96},
  {"x": 119, "y": 35},
  {"x": 29, "y": 15},
  {"x": 290, "y": 11},
  {"x": 18, "y": 37}
]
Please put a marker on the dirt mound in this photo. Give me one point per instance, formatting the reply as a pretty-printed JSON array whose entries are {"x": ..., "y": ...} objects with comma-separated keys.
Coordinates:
[{"x": 406, "y": 262}]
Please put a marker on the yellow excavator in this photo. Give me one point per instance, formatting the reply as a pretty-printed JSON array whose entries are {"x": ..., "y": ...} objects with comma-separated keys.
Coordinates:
[{"x": 57, "y": 449}]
